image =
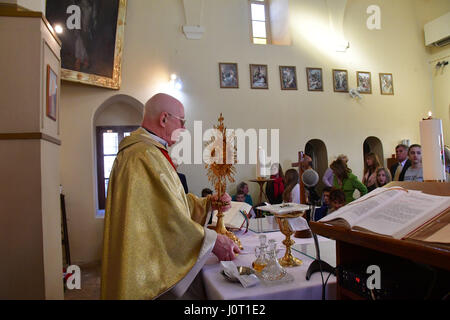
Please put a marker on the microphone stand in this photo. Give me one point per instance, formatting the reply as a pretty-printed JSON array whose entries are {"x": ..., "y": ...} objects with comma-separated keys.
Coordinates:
[{"x": 318, "y": 264}]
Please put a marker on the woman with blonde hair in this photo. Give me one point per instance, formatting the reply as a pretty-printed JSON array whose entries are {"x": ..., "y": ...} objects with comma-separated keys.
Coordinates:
[
  {"x": 371, "y": 165},
  {"x": 291, "y": 191},
  {"x": 346, "y": 181},
  {"x": 383, "y": 177}
]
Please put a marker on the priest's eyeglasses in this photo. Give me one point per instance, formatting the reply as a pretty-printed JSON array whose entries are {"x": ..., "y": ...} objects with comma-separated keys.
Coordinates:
[{"x": 182, "y": 120}]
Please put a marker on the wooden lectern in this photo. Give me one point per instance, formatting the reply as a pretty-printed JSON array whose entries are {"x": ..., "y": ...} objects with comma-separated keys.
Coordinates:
[{"x": 358, "y": 248}]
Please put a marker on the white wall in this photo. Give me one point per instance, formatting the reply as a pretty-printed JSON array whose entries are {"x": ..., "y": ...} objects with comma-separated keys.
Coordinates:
[{"x": 155, "y": 47}]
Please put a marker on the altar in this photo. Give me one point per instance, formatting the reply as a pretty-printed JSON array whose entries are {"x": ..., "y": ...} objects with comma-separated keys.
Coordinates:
[{"x": 218, "y": 288}]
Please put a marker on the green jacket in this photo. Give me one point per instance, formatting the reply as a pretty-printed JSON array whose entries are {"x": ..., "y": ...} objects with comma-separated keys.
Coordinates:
[{"x": 349, "y": 186}]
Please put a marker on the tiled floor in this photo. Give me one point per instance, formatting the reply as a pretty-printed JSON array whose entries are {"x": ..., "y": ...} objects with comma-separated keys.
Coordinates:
[{"x": 90, "y": 284}]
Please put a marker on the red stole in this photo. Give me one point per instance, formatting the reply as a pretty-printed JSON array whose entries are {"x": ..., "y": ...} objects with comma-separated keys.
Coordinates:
[{"x": 166, "y": 154}]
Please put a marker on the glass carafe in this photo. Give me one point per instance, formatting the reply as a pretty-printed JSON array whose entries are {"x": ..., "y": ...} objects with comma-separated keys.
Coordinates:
[
  {"x": 273, "y": 270},
  {"x": 261, "y": 254}
]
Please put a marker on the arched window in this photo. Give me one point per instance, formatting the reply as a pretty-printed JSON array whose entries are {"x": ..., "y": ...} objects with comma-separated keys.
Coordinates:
[{"x": 115, "y": 119}]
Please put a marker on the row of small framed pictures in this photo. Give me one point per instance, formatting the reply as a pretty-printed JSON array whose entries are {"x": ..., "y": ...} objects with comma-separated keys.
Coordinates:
[{"x": 229, "y": 78}]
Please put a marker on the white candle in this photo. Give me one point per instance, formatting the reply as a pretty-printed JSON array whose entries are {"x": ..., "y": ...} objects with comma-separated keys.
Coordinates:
[
  {"x": 261, "y": 163},
  {"x": 432, "y": 141}
]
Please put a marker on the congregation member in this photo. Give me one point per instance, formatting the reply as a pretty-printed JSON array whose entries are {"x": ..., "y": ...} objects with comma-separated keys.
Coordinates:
[
  {"x": 243, "y": 187},
  {"x": 328, "y": 176},
  {"x": 371, "y": 166},
  {"x": 337, "y": 200},
  {"x": 274, "y": 189},
  {"x": 399, "y": 168},
  {"x": 323, "y": 210},
  {"x": 206, "y": 192},
  {"x": 240, "y": 197},
  {"x": 346, "y": 181},
  {"x": 292, "y": 188},
  {"x": 383, "y": 177},
  {"x": 415, "y": 171},
  {"x": 155, "y": 236}
]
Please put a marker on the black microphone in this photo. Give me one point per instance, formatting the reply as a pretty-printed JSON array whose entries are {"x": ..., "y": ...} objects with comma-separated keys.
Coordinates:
[{"x": 310, "y": 179}]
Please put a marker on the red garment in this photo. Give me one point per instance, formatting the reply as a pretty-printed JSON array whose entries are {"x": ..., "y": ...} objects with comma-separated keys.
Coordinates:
[
  {"x": 278, "y": 186},
  {"x": 166, "y": 154}
]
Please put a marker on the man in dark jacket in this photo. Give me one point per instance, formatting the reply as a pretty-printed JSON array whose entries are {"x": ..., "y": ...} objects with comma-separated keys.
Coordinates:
[{"x": 403, "y": 163}]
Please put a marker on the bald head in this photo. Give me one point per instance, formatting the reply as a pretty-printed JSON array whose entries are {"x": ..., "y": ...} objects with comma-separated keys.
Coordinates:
[
  {"x": 161, "y": 116},
  {"x": 159, "y": 103}
]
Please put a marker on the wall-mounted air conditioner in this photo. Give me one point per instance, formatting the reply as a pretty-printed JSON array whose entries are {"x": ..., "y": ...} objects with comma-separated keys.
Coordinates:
[{"x": 437, "y": 32}]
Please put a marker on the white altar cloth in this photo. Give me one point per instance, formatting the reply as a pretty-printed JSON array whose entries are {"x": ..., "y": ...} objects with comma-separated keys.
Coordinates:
[{"x": 218, "y": 288}]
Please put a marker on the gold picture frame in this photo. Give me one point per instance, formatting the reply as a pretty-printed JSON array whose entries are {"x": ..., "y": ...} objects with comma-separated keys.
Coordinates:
[
  {"x": 387, "y": 84},
  {"x": 314, "y": 79},
  {"x": 259, "y": 78},
  {"x": 340, "y": 80},
  {"x": 89, "y": 59},
  {"x": 288, "y": 78},
  {"x": 364, "y": 82},
  {"x": 228, "y": 75}
]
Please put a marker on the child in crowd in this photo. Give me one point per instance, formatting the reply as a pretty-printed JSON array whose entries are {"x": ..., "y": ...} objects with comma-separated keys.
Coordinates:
[
  {"x": 337, "y": 200},
  {"x": 383, "y": 177},
  {"x": 243, "y": 187},
  {"x": 206, "y": 192},
  {"x": 323, "y": 210}
]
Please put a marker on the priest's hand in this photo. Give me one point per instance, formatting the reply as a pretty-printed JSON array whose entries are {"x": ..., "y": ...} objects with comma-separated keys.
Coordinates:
[
  {"x": 224, "y": 199},
  {"x": 225, "y": 249}
]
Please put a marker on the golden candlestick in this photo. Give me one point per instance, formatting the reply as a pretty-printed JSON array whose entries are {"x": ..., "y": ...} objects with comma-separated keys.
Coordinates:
[
  {"x": 288, "y": 260},
  {"x": 220, "y": 167}
]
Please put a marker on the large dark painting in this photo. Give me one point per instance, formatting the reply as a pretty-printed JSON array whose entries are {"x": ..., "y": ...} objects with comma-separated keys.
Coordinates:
[{"x": 92, "y": 39}]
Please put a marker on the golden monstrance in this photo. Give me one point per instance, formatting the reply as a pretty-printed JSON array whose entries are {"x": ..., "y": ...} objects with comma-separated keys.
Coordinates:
[{"x": 220, "y": 166}]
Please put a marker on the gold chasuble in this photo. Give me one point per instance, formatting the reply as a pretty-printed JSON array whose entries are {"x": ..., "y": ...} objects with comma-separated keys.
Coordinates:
[{"x": 153, "y": 231}]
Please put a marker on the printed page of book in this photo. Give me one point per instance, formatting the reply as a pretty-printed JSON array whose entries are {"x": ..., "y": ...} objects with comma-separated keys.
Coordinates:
[
  {"x": 364, "y": 206},
  {"x": 401, "y": 216}
]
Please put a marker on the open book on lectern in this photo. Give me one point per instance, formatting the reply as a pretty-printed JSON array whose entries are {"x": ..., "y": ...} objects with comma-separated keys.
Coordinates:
[{"x": 395, "y": 212}]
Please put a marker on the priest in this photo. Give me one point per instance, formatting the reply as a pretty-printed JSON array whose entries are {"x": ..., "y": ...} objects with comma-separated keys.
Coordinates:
[{"x": 155, "y": 237}]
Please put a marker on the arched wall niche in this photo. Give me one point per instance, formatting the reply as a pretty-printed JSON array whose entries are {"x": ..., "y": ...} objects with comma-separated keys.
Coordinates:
[{"x": 317, "y": 150}]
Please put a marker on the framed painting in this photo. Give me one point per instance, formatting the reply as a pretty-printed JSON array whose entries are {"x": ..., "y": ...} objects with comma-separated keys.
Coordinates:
[
  {"x": 288, "y": 78},
  {"x": 228, "y": 75},
  {"x": 258, "y": 76},
  {"x": 386, "y": 84},
  {"x": 51, "y": 93},
  {"x": 364, "y": 82},
  {"x": 340, "y": 80},
  {"x": 314, "y": 79},
  {"x": 92, "y": 39}
]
